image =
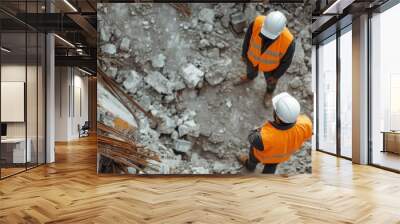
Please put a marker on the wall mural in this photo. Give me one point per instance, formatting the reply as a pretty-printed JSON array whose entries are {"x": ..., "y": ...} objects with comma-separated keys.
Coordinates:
[{"x": 204, "y": 88}]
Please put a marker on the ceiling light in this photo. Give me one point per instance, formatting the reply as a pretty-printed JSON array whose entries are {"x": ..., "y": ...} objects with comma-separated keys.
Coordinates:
[
  {"x": 65, "y": 41},
  {"x": 328, "y": 10},
  {"x": 338, "y": 6},
  {"x": 5, "y": 50},
  {"x": 70, "y": 5},
  {"x": 84, "y": 71}
]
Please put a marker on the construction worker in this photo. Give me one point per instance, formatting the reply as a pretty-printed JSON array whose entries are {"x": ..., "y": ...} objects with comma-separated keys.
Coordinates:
[
  {"x": 277, "y": 140},
  {"x": 268, "y": 47}
]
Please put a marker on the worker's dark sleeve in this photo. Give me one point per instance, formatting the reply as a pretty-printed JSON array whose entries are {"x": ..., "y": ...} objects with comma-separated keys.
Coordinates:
[
  {"x": 246, "y": 41},
  {"x": 255, "y": 140},
  {"x": 285, "y": 61}
]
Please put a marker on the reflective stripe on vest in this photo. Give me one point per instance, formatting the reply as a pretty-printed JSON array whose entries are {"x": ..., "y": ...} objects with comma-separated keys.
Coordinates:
[
  {"x": 279, "y": 145},
  {"x": 268, "y": 60},
  {"x": 272, "y": 53},
  {"x": 264, "y": 61}
]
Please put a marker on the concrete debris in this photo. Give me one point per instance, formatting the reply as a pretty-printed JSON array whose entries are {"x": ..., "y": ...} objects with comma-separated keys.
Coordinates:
[
  {"x": 295, "y": 83},
  {"x": 239, "y": 22},
  {"x": 204, "y": 43},
  {"x": 132, "y": 170},
  {"x": 203, "y": 120},
  {"x": 189, "y": 128},
  {"x": 192, "y": 75},
  {"x": 159, "y": 82},
  {"x": 200, "y": 170},
  {"x": 109, "y": 49},
  {"x": 158, "y": 61},
  {"x": 167, "y": 126},
  {"x": 213, "y": 53},
  {"x": 112, "y": 72},
  {"x": 132, "y": 81},
  {"x": 214, "y": 77},
  {"x": 105, "y": 34},
  {"x": 183, "y": 145},
  {"x": 229, "y": 103},
  {"x": 208, "y": 28},
  {"x": 125, "y": 43},
  {"x": 216, "y": 138},
  {"x": 207, "y": 15}
]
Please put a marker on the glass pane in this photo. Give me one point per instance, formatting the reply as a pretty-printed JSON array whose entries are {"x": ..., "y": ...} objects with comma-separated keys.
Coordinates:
[
  {"x": 327, "y": 97},
  {"x": 386, "y": 89},
  {"x": 41, "y": 99},
  {"x": 31, "y": 98},
  {"x": 346, "y": 94},
  {"x": 13, "y": 87}
]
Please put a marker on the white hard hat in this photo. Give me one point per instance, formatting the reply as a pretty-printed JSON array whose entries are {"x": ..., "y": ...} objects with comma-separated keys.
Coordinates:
[
  {"x": 273, "y": 25},
  {"x": 286, "y": 107}
]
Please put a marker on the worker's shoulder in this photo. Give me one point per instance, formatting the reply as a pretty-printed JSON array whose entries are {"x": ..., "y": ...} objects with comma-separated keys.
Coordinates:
[
  {"x": 304, "y": 120},
  {"x": 258, "y": 21},
  {"x": 287, "y": 35}
]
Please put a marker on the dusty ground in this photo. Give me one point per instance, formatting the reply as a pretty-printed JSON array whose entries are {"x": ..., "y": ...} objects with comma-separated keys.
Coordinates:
[{"x": 181, "y": 69}]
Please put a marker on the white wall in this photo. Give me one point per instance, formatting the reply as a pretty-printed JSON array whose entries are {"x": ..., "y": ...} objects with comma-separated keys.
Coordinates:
[{"x": 69, "y": 85}]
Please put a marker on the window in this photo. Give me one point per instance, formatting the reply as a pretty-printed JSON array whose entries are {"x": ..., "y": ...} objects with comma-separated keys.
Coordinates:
[
  {"x": 22, "y": 77},
  {"x": 385, "y": 89},
  {"x": 346, "y": 95},
  {"x": 327, "y": 96}
]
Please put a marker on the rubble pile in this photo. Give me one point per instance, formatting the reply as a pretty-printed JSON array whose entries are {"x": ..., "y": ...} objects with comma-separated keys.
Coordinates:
[{"x": 181, "y": 70}]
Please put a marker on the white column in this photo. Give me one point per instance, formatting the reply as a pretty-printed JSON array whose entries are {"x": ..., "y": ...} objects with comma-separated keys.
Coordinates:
[
  {"x": 50, "y": 94},
  {"x": 360, "y": 90}
]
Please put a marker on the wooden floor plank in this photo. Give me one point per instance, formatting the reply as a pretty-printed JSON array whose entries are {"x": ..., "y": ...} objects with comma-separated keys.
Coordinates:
[{"x": 70, "y": 191}]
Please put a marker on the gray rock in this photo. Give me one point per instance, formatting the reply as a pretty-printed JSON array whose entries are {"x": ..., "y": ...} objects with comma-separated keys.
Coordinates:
[
  {"x": 112, "y": 72},
  {"x": 132, "y": 170},
  {"x": 189, "y": 128},
  {"x": 192, "y": 75},
  {"x": 225, "y": 21},
  {"x": 159, "y": 82},
  {"x": 213, "y": 53},
  {"x": 109, "y": 49},
  {"x": 174, "y": 135},
  {"x": 295, "y": 83},
  {"x": 183, "y": 145},
  {"x": 216, "y": 138},
  {"x": 239, "y": 22},
  {"x": 200, "y": 170},
  {"x": 219, "y": 167},
  {"x": 208, "y": 28},
  {"x": 169, "y": 98},
  {"x": 105, "y": 34},
  {"x": 204, "y": 43},
  {"x": 125, "y": 43},
  {"x": 158, "y": 61},
  {"x": 229, "y": 103},
  {"x": 167, "y": 126},
  {"x": 132, "y": 81},
  {"x": 214, "y": 77},
  {"x": 207, "y": 15}
]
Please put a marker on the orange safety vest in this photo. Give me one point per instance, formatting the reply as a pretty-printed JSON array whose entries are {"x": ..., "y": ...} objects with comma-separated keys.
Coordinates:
[
  {"x": 271, "y": 58},
  {"x": 279, "y": 145}
]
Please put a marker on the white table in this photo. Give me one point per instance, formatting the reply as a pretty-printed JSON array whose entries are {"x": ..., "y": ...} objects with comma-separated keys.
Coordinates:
[{"x": 18, "y": 149}]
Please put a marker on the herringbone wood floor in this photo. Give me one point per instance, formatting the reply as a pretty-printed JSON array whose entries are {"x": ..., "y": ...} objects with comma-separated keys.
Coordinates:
[{"x": 70, "y": 191}]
